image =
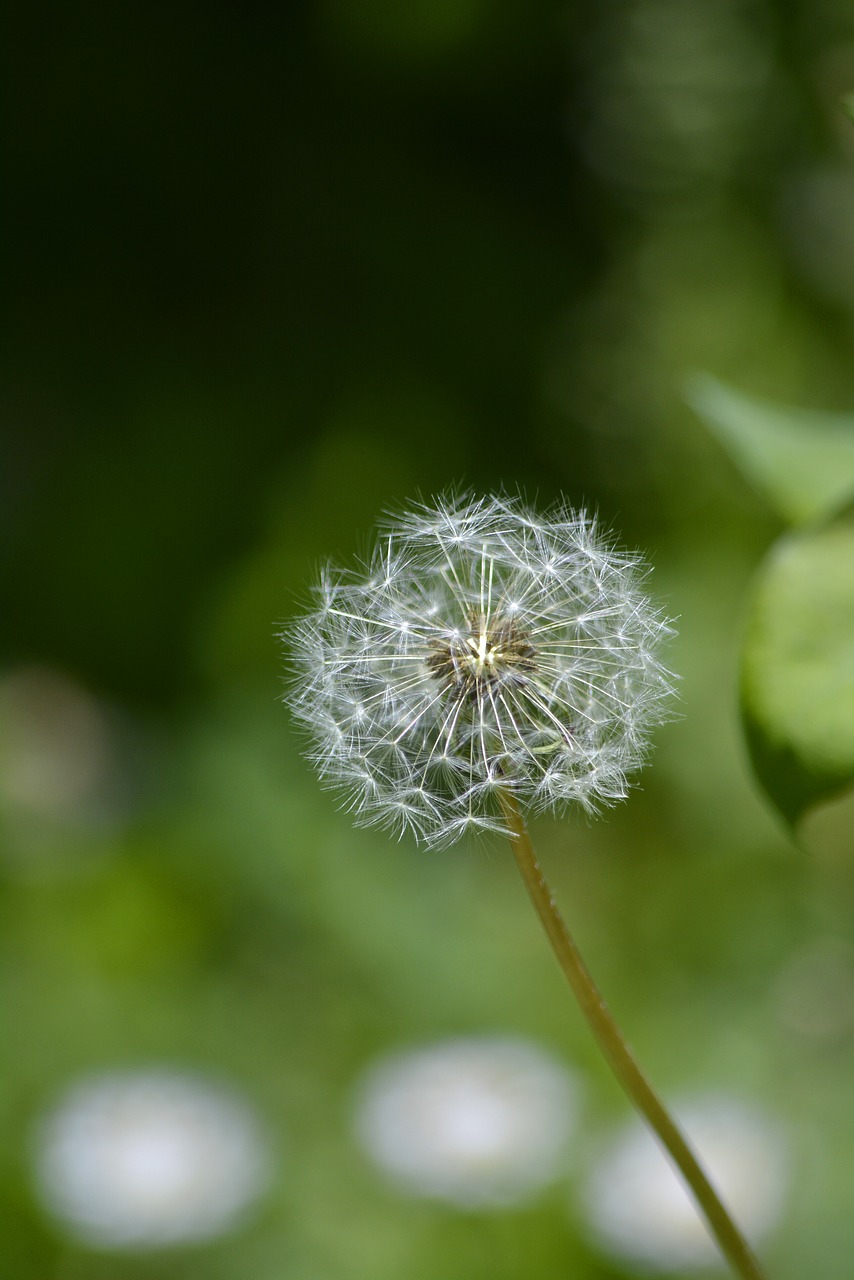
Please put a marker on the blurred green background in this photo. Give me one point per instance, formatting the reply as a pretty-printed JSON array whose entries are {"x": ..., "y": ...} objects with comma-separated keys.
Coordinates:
[{"x": 271, "y": 271}]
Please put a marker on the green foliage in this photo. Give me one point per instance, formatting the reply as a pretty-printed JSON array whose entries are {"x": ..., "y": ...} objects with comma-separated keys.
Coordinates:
[
  {"x": 798, "y": 668},
  {"x": 800, "y": 460},
  {"x": 798, "y": 655},
  {"x": 276, "y": 270}
]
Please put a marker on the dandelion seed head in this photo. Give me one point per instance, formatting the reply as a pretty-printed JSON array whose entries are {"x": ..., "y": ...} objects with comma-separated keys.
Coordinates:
[{"x": 481, "y": 646}]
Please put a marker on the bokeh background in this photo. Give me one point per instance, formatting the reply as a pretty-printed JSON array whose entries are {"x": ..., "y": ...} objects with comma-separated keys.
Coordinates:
[{"x": 269, "y": 272}]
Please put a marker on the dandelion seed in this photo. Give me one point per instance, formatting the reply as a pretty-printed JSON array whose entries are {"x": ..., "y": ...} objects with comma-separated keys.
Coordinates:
[{"x": 480, "y": 647}]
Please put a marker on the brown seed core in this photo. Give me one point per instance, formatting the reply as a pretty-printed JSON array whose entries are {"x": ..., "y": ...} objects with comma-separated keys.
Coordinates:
[{"x": 490, "y": 652}]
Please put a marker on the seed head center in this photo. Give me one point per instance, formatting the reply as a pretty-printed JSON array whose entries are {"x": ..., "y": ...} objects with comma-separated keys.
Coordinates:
[
  {"x": 484, "y": 656},
  {"x": 489, "y": 652}
]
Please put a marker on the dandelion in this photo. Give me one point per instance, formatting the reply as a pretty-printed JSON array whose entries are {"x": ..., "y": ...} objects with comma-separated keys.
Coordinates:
[
  {"x": 481, "y": 649},
  {"x": 144, "y": 1159},
  {"x": 480, "y": 1122},
  {"x": 485, "y": 661}
]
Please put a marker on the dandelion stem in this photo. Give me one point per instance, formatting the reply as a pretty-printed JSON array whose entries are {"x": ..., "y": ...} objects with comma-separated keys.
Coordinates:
[{"x": 610, "y": 1040}]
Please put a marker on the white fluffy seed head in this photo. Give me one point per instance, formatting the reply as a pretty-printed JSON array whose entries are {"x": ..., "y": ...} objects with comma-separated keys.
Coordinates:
[{"x": 480, "y": 646}]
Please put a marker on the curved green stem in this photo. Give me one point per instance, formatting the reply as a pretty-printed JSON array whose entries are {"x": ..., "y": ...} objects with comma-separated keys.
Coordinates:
[{"x": 619, "y": 1056}]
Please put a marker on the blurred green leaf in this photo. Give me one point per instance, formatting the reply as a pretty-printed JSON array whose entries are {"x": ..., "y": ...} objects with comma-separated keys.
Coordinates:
[
  {"x": 800, "y": 460},
  {"x": 798, "y": 668},
  {"x": 847, "y": 104}
]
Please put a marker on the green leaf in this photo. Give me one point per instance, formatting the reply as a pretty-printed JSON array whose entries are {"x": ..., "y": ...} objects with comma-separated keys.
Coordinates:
[
  {"x": 846, "y": 102},
  {"x": 800, "y": 460},
  {"x": 798, "y": 668}
]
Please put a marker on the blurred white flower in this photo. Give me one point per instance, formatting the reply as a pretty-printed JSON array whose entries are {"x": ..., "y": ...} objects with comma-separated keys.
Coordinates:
[
  {"x": 814, "y": 992},
  {"x": 483, "y": 646},
  {"x": 57, "y": 750},
  {"x": 639, "y": 1209},
  {"x": 480, "y": 1122},
  {"x": 138, "y": 1160}
]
